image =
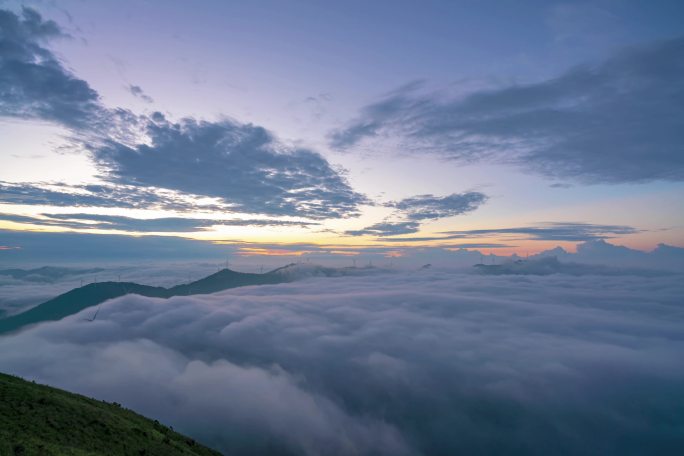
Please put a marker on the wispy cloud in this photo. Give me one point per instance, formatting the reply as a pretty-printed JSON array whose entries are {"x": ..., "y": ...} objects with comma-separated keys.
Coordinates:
[
  {"x": 617, "y": 121},
  {"x": 411, "y": 212},
  {"x": 386, "y": 229},
  {"x": 551, "y": 232},
  {"x": 431, "y": 207},
  {"x": 138, "y": 92},
  {"x": 130, "y": 224},
  {"x": 99, "y": 195}
]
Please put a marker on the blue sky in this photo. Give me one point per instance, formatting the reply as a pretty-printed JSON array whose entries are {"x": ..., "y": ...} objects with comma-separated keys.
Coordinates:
[{"x": 344, "y": 123}]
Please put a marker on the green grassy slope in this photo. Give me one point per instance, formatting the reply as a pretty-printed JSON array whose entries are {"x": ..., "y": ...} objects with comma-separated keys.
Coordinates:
[{"x": 40, "y": 420}]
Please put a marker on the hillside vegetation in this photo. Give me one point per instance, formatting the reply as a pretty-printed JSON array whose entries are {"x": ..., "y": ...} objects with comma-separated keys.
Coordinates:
[{"x": 41, "y": 420}]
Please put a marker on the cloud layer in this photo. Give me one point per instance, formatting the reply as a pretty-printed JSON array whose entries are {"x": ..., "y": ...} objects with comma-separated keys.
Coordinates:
[
  {"x": 423, "y": 363},
  {"x": 616, "y": 121}
]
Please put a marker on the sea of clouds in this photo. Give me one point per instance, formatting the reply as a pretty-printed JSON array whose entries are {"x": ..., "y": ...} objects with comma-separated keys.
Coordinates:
[{"x": 426, "y": 362}]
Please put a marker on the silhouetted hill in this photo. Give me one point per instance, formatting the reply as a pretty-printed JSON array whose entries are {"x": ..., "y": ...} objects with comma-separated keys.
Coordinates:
[
  {"x": 93, "y": 294},
  {"x": 295, "y": 271},
  {"x": 76, "y": 300},
  {"x": 223, "y": 280},
  {"x": 41, "y": 420}
]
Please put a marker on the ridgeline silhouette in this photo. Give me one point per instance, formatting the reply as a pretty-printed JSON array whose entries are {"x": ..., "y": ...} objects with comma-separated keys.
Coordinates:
[{"x": 94, "y": 294}]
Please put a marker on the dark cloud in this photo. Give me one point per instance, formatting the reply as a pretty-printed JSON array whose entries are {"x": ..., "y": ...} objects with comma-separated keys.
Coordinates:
[
  {"x": 430, "y": 207},
  {"x": 420, "y": 208},
  {"x": 429, "y": 362},
  {"x": 386, "y": 229},
  {"x": 377, "y": 116},
  {"x": 240, "y": 166},
  {"x": 551, "y": 232},
  {"x": 240, "y": 163},
  {"x": 617, "y": 121},
  {"x": 33, "y": 82},
  {"x": 138, "y": 92},
  {"x": 95, "y": 195},
  {"x": 171, "y": 224},
  {"x": 123, "y": 223},
  {"x": 18, "y": 218}
]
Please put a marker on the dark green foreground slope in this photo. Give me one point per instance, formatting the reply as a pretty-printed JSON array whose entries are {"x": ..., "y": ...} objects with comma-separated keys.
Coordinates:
[{"x": 40, "y": 420}]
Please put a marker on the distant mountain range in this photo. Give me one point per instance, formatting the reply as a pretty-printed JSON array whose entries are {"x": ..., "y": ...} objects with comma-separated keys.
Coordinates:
[
  {"x": 595, "y": 252},
  {"x": 96, "y": 293}
]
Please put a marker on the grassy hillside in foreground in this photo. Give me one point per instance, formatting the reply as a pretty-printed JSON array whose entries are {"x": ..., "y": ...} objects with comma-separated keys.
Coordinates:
[{"x": 41, "y": 420}]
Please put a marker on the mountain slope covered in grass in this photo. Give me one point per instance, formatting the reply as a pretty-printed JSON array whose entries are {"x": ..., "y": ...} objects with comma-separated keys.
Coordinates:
[{"x": 41, "y": 420}]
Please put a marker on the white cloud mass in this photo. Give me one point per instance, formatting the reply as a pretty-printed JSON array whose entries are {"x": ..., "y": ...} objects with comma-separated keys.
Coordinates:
[{"x": 426, "y": 362}]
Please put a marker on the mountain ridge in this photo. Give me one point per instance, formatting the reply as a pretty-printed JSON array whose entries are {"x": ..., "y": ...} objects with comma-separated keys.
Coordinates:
[{"x": 93, "y": 294}]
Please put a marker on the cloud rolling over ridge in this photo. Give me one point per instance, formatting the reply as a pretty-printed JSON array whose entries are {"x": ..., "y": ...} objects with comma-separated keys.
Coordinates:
[{"x": 407, "y": 363}]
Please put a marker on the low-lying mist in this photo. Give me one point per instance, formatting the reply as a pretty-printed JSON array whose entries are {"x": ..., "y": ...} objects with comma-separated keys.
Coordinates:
[{"x": 426, "y": 362}]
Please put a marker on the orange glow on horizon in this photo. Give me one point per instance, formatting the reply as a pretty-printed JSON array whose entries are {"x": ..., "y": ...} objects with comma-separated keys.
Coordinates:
[{"x": 257, "y": 251}]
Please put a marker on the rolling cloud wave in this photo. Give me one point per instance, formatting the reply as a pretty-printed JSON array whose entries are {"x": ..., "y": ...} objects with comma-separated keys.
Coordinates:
[{"x": 406, "y": 363}]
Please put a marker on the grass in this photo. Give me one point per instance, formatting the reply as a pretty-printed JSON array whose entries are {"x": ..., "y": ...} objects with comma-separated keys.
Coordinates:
[{"x": 41, "y": 420}]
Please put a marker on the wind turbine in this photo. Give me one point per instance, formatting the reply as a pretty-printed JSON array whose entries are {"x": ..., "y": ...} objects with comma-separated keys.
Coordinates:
[{"x": 94, "y": 316}]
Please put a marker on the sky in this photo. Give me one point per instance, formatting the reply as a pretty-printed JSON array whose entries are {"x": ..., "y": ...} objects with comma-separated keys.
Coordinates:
[{"x": 284, "y": 128}]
